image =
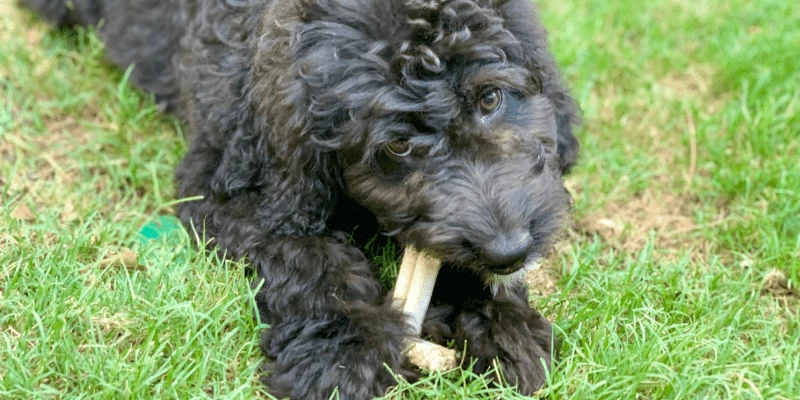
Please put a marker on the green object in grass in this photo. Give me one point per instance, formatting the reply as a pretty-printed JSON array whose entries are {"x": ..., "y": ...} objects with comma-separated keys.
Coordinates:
[{"x": 163, "y": 228}]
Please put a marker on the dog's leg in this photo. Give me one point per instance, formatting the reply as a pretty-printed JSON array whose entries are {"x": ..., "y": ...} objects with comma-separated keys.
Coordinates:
[
  {"x": 507, "y": 330},
  {"x": 329, "y": 328},
  {"x": 492, "y": 328}
]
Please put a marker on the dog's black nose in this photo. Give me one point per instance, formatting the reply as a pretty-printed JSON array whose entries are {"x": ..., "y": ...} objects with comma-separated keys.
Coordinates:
[{"x": 506, "y": 252}]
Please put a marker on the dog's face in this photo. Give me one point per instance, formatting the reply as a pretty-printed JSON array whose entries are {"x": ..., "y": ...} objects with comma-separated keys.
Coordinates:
[
  {"x": 484, "y": 193},
  {"x": 438, "y": 124}
]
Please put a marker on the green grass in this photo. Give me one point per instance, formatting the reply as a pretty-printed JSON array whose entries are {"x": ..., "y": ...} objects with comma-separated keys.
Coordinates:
[{"x": 706, "y": 310}]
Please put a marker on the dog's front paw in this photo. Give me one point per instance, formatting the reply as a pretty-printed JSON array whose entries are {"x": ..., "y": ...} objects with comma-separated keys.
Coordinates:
[
  {"x": 508, "y": 335},
  {"x": 352, "y": 355}
]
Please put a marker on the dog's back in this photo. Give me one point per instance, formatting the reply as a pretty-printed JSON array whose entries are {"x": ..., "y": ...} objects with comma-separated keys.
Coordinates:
[
  {"x": 60, "y": 13},
  {"x": 143, "y": 33}
]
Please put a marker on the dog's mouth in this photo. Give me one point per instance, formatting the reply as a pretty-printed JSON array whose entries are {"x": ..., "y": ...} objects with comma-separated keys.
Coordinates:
[
  {"x": 530, "y": 262},
  {"x": 506, "y": 269},
  {"x": 514, "y": 274}
]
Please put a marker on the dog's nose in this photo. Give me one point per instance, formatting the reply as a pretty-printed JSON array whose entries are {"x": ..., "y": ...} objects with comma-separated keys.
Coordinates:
[{"x": 506, "y": 252}]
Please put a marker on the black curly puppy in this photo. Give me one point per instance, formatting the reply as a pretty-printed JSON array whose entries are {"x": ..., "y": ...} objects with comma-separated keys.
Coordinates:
[{"x": 442, "y": 123}]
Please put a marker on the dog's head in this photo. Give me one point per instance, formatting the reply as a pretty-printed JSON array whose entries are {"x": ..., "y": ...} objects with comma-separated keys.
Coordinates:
[{"x": 445, "y": 118}]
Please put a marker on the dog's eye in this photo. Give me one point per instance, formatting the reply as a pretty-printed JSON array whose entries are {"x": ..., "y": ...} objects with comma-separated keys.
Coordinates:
[
  {"x": 490, "y": 101},
  {"x": 399, "y": 148}
]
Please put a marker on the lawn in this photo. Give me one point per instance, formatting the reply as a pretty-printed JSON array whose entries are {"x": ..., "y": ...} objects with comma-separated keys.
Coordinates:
[{"x": 677, "y": 280}]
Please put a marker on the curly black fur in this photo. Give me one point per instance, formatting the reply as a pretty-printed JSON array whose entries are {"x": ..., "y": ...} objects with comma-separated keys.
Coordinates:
[{"x": 297, "y": 110}]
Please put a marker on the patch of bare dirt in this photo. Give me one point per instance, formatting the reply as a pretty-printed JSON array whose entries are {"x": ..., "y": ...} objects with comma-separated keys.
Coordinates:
[
  {"x": 123, "y": 259},
  {"x": 695, "y": 81},
  {"x": 777, "y": 285},
  {"x": 23, "y": 213},
  {"x": 111, "y": 323},
  {"x": 14, "y": 335},
  {"x": 628, "y": 225},
  {"x": 47, "y": 165},
  {"x": 542, "y": 281}
]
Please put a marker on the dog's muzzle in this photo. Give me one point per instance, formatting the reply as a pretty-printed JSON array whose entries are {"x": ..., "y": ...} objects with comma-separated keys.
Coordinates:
[{"x": 506, "y": 253}]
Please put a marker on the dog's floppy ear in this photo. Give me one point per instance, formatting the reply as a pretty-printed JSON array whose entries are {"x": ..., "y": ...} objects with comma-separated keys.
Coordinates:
[
  {"x": 327, "y": 77},
  {"x": 522, "y": 21},
  {"x": 308, "y": 79}
]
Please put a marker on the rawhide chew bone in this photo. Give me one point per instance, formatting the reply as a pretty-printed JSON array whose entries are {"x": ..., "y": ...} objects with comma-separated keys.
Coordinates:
[{"x": 412, "y": 294}]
